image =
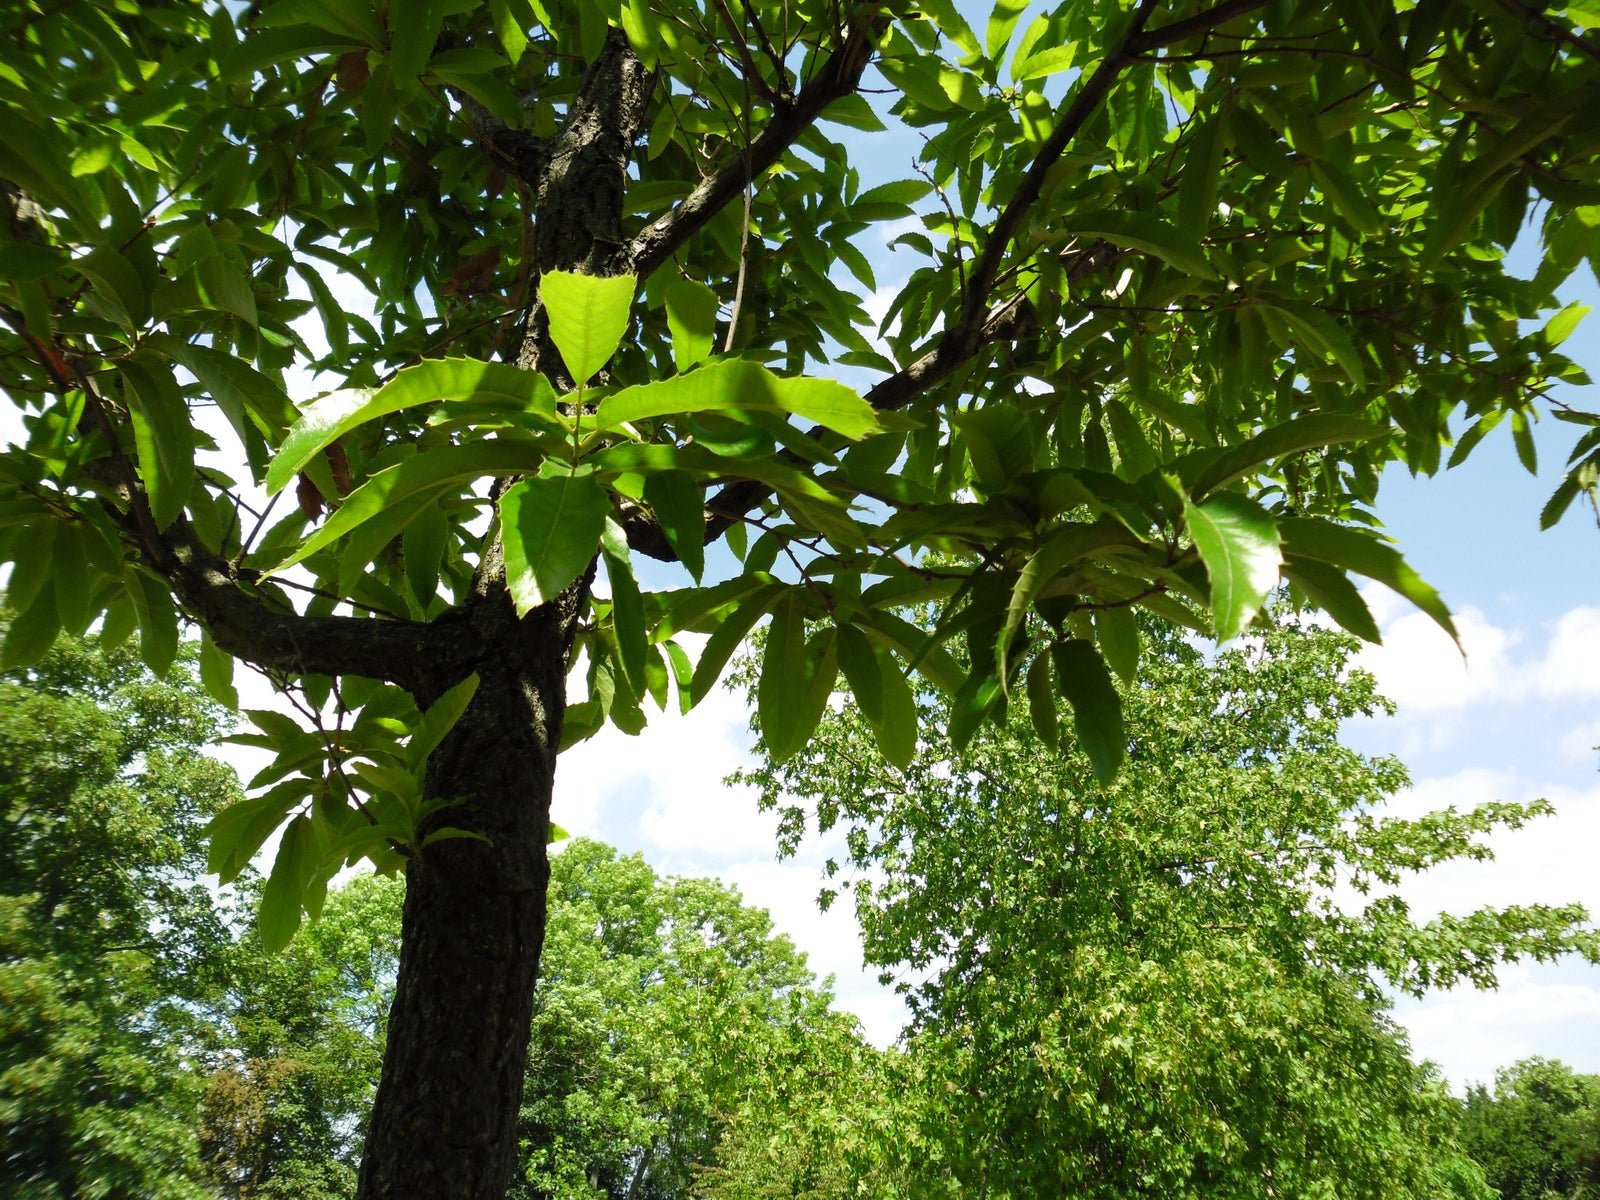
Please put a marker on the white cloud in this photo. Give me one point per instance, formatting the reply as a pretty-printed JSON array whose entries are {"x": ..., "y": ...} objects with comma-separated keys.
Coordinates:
[
  {"x": 1420, "y": 668},
  {"x": 1571, "y": 665},
  {"x": 1537, "y": 1010},
  {"x": 1579, "y": 744},
  {"x": 674, "y": 771}
]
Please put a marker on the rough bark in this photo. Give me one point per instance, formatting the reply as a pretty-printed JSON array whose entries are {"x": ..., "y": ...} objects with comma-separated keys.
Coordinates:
[{"x": 444, "y": 1123}]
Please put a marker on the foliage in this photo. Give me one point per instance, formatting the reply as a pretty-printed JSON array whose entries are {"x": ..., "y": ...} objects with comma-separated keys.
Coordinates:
[
  {"x": 667, "y": 1008},
  {"x": 107, "y": 937},
  {"x": 297, "y": 1040},
  {"x": 1537, "y": 1133},
  {"x": 1170, "y": 985},
  {"x": 1249, "y": 278},
  {"x": 1179, "y": 280}
]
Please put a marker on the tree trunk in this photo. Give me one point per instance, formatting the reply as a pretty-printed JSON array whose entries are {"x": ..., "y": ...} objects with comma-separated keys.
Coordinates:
[
  {"x": 444, "y": 1124},
  {"x": 444, "y": 1121}
]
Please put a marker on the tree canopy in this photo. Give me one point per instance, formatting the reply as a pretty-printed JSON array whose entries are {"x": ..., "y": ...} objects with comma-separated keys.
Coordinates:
[
  {"x": 1173, "y": 984},
  {"x": 1180, "y": 279},
  {"x": 1537, "y": 1131},
  {"x": 108, "y": 937}
]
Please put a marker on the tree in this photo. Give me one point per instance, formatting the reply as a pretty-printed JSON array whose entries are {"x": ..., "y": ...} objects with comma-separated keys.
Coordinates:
[
  {"x": 107, "y": 937},
  {"x": 666, "y": 1009},
  {"x": 1537, "y": 1133},
  {"x": 1172, "y": 984},
  {"x": 295, "y": 1045},
  {"x": 1187, "y": 276}
]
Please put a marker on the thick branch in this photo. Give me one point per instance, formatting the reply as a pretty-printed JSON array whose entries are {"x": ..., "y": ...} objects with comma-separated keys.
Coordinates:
[
  {"x": 1085, "y": 101},
  {"x": 580, "y": 189},
  {"x": 1202, "y": 22},
  {"x": 239, "y": 620},
  {"x": 247, "y": 626},
  {"x": 839, "y": 77}
]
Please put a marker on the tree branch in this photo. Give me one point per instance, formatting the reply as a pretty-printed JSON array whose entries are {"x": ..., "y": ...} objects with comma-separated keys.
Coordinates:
[
  {"x": 1203, "y": 22},
  {"x": 963, "y": 338},
  {"x": 839, "y": 77},
  {"x": 240, "y": 621}
]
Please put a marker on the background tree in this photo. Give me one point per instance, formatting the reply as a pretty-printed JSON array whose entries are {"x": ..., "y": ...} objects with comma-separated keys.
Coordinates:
[
  {"x": 108, "y": 937},
  {"x": 667, "y": 1006},
  {"x": 296, "y": 1041},
  {"x": 1246, "y": 253},
  {"x": 1537, "y": 1133},
  {"x": 1172, "y": 984}
]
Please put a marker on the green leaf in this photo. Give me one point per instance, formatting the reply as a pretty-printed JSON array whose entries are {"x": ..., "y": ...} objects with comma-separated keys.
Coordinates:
[
  {"x": 1239, "y": 544},
  {"x": 780, "y": 694},
  {"x": 853, "y": 111},
  {"x": 1330, "y": 590},
  {"x": 163, "y": 440},
  {"x": 1096, "y": 708},
  {"x": 979, "y": 696},
  {"x": 70, "y": 574},
  {"x": 216, "y": 673},
  {"x": 286, "y": 886},
  {"x": 692, "y": 320},
  {"x": 821, "y": 671},
  {"x": 327, "y": 418},
  {"x": 1321, "y": 334},
  {"x": 588, "y": 316},
  {"x": 1149, "y": 234},
  {"x": 896, "y": 732},
  {"x": 508, "y": 24},
  {"x": 862, "y": 671},
  {"x": 1118, "y": 632},
  {"x": 735, "y": 384},
  {"x": 1065, "y": 545},
  {"x": 224, "y": 284},
  {"x": 254, "y": 403},
  {"x": 33, "y": 631},
  {"x": 1522, "y": 438},
  {"x": 390, "y": 486},
  {"x": 1559, "y": 328},
  {"x": 627, "y": 606},
  {"x": 999, "y": 444},
  {"x": 425, "y": 537},
  {"x": 1002, "y": 22},
  {"x": 439, "y": 720},
  {"x": 1197, "y": 186},
  {"x": 1360, "y": 551},
  {"x": 412, "y": 38},
  {"x": 552, "y": 530},
  {"x": 679, "y": 506},
  {"x": 158, "y": 622},
  {"x": 1349, "y": 199},
  {"x": 1042, "y": 703},
  {"x": 954, "y": 26},
  {"x": 1207, "y": 470},
  {"x": 727, "y": 637}
]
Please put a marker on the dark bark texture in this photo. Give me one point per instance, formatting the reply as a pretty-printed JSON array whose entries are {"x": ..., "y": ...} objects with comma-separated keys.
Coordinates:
[{"x": 444, "y": 1121}]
